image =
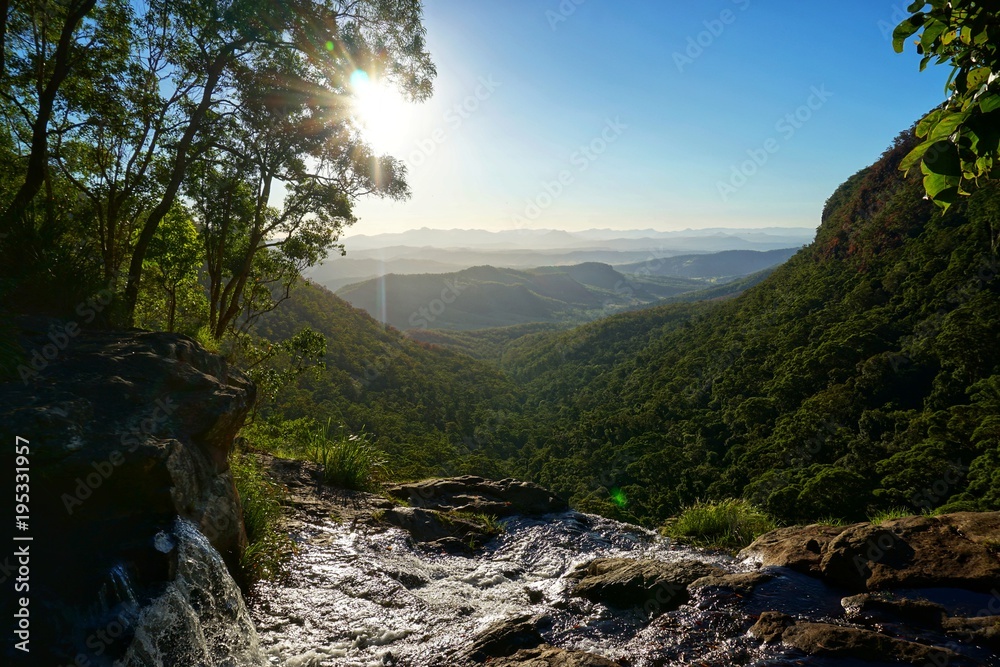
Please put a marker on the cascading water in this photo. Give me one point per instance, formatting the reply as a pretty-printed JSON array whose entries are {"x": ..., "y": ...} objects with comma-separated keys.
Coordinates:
[
  {"x": 200, "y": 620},
  {"x": 361, "y": 597}
]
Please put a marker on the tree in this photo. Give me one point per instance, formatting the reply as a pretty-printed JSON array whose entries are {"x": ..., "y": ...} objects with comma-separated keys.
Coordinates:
[
  {"x": 960, "y": 138},
  {"x": 117, "y": 101}
]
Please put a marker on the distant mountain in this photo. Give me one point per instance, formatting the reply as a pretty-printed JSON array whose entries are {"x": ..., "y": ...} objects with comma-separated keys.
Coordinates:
[
  {"x": 691, "y": 240},
  {"x": 721, "y": 264},
  {"x": 485, "y": 296}
]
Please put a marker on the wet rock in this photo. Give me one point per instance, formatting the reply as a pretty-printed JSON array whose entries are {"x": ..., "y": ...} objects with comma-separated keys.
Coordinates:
[
  {"x": 799, "y": 547},
  {"x": 952, "y": 550},
  {"x": 743, "y": 583},
  {"x": 983, "y": 630},
  {"x": 448, "y": 531},
  {"x": 548, "y": 656},
  {"x": 649, "y": 585},
  {"x": 826, "y": 639},
  {"x": 477, "y": 495},
  {"x": 508, "y": 636},
  {"x": 127, "y": 431},
  {"x": 881, "y": 607}
]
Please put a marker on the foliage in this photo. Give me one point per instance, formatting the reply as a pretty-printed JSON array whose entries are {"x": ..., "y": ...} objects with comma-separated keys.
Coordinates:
[
  {"x": 961, "y": 140},
  {"x": 349, "y": 461},
  {"x": 858, "y": 377},
  {"x": 727, "y": 524},
  {"x": 114, "y": 112},
  {"x": 268, "y": 549}
]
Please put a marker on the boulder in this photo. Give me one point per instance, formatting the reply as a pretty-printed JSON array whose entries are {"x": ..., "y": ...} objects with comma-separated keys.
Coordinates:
[
  {"x": 477, "y": 495},
  {"x": 983, "y": 630},
  {"x": 548, "y": 656},
  {"x": 951, "y": 550},
  {"x": 837, "y": 641},
  {"x": 651, "y": 586},
  {"x": 506, "y": 637},
  {"x": 743, "y": 583},
  {"x": 127, "y": 430},
  {"x": 881, "y": 608},
  {"x": 448, "y": 531}
]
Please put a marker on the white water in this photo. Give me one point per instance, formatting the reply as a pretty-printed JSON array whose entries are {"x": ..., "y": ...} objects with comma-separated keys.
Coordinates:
[
  {"x": 201, "y": 619},
  {"x": 370, "y": 599}
]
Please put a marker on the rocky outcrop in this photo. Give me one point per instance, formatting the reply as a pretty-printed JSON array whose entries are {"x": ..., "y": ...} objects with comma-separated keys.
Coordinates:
[
  {"x": 506, "y": 637},
  {"x": 953, "y": 550},
  {"x": 652, "y": 586},
  {"x": 127, "y": 431},
  {"x": 743, "y": 583},
  {"x": 477, "y": 495},
  {"x": 548, "y": 656},
  {"x": 837, "y": 641}
]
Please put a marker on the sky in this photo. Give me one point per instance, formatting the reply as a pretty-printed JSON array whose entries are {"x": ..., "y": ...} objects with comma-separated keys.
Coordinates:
[{"x": 636, "y": 114}]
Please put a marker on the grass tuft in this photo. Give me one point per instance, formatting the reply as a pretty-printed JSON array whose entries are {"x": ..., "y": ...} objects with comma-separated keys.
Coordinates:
[
  {"x": 882, "y": 516},
  {"x": 348, "y": 461},
  {"x": 728, "y": 524}
]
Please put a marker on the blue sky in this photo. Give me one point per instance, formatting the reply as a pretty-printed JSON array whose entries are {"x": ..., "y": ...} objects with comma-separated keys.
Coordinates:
[{"x": 628, "y": 114}]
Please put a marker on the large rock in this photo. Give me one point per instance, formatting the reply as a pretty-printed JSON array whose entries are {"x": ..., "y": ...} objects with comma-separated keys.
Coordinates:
[
  {"x": 477, "y": 495},
  {"x": 548, "y": 656},
  {"x": 952, "y": 550},
  {"x": 127, "y": 431},
  {"x": 506, "y": 637},
  {"x": 651, "y": 586},
  {"x": 837, "y": 641},
  {"x": 444, "y": 530}
]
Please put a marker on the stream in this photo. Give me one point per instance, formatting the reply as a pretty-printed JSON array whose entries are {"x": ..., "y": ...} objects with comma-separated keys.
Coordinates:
[{"x": 364, "y": 597}]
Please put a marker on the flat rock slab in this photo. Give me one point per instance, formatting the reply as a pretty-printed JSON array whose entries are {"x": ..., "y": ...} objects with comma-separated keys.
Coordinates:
[
  {"x": 837, "y": 641},
  {"x": 547, "y": 656},
  {"x": 743, "y": 583},
  {"x": 952, "y": 550},
  {"x": 506, "y": 637},
  {"x": 501, "y": 498},
  {"x": 650, "y": 585}
]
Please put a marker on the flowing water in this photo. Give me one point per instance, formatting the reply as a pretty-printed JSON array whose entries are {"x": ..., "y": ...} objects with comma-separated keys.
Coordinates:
[{"x": 360, "y": 597}]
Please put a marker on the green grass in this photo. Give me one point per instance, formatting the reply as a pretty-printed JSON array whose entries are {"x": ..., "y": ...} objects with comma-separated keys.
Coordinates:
[
  {"x": 268, "y": 548},
  {"x": 728, "y": 524},
  {"x": 348, "y": 461},
  {"x": 882, "y": 516}
]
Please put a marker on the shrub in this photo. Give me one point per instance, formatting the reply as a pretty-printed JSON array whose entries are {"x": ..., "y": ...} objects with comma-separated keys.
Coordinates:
[
  {"x": 268, "y": 549},
  {"x": 729, "y": 524},
  {"x": 348, "y": 461}
]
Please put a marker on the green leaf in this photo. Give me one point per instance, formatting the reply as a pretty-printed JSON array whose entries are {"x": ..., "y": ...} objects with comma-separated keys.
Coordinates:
[
  {"x": 928, "y": 122},
  {"x": 947, "y": 125},
  {"x": 932, "y": 30},
  {"x": 977, "y": 78},
  {"x": 906, "y": 29},
  {"x": 989, "y": 103},
  {"x": 942, "y": 159},
  {"x": 914, "y": 156}
]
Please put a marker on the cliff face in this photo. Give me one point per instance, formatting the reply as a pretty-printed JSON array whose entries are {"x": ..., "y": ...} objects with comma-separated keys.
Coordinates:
[{"x": 127, "y": 431}]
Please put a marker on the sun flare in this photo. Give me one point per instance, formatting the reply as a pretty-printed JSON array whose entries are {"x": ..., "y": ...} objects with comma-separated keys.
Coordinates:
[{"x": 380, "y": 111}]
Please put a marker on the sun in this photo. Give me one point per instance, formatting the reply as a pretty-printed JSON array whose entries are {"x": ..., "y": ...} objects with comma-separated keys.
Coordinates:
[{"x": 381, "y": 112}]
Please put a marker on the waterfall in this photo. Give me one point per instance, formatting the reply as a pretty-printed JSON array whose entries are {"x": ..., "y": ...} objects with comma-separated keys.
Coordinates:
[{"x": 200, "y": 619}]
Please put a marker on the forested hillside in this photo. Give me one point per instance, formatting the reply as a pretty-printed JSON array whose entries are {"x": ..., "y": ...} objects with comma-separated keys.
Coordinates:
[
  {"x": 863, "y": 374},
  {"x": 422, "y": 405}
]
